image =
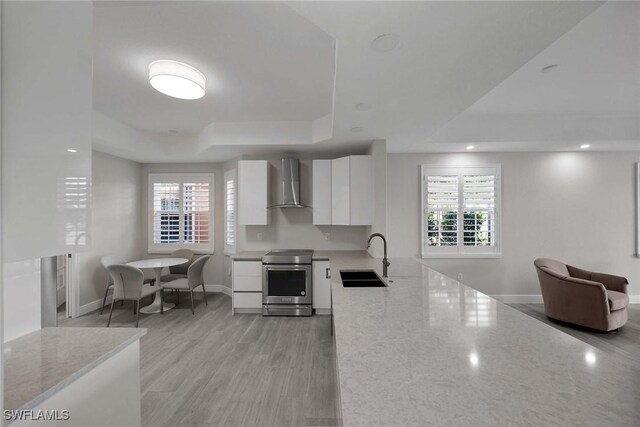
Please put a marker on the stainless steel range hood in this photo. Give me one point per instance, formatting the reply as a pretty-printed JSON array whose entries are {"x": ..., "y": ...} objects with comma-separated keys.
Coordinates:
[{"x": 290, "y": 172}]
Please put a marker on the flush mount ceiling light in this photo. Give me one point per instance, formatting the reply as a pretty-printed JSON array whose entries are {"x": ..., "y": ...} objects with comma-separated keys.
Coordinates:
[
  {"x": 356, "y": 129},
  {"x": 71, "y": 150},
  {"x": 385, "y": 43},
  {"x": 363, "y": 106},
  {"x": 470, "y": 147},
  {"x": 585, "y": 146},
  {"x": 549, "y": 68},
  {"x": 176, "y": 79}
]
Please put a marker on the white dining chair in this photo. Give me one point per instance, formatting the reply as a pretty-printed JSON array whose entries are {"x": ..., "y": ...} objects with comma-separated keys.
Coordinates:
[
  {"x": 106, "y": 261},
  {"x": 128, "y": 285},
  {"x": 179, "y": 271},
  {"x": 193, "y": 280}
]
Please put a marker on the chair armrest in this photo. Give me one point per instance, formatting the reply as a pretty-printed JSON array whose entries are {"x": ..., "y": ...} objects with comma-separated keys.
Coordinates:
[
  {"x": 572, "y": 299},
  {"x": 611, "y": 282}
]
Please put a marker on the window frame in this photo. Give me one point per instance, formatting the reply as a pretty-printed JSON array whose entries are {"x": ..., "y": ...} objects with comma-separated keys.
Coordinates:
[
  {"x": 460, "y": 250},
  {"x": 180, "y": 179},
  {"x": 231, "y": 175}
]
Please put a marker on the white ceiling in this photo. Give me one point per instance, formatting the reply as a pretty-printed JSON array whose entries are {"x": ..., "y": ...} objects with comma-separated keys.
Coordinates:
[
  {"x": 263, "y": 63},
  {"x": 273, "y": 65},
  {"x": 593, "y": 96}
]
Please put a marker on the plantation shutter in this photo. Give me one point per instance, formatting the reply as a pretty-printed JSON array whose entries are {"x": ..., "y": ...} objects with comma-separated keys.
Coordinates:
[
  {"x": 442, "y": 210},
  {"x": 460, "y": 211},
  {"x": 181, "y": 212},
  {"x": 230, "y": 211},
  {"x": 196, "y": 212}
]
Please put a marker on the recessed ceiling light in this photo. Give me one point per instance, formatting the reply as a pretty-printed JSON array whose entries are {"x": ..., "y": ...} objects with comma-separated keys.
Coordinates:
[
  {"x": 363, "y": 106},
  {"x": 176, "y": 79},
  {"x": 356, "y": 129},
  {"x": 385, "y": 43},
  {"x": 549, "y": 68},
  {"x": 470, "y": 147},
  {"x": 585, "y": 146},
  {"x": 71, "y": 150}
]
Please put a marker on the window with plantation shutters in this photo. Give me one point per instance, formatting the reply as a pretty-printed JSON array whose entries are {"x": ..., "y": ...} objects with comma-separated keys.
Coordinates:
[
  {"x": 181, "y": 212},
  {"x": 230, "y": 211},
  {"x": 460, "y": 211}
]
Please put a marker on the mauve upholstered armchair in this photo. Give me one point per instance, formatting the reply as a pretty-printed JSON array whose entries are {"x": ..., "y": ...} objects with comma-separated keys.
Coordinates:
[{"x": 595, "y": 300}]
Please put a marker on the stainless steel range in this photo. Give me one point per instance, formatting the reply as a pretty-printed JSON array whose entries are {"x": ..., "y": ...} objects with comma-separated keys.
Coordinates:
[{"x": 286, "y": 283}]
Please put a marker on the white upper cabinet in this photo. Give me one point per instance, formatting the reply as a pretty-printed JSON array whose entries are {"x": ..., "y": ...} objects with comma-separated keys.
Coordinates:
[
  {"x": 352, "y": 191},
  {"x": 253, "y": 192},
  {"x": 361, "y": 190},
  {"x": 340, "y": 194},
  {"x": 46, "y": 128},
  {"x": 322, "y": 192}
]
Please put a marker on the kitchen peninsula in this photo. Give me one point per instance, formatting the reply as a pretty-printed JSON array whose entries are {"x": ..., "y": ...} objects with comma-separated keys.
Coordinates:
[{"x": 428, "y": 349}]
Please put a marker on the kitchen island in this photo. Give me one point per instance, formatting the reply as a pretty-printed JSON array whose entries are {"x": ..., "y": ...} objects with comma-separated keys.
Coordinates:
[{"x": 429, "y": 350}]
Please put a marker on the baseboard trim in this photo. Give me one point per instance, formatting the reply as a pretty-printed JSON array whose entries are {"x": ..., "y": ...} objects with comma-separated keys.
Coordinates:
[
  {"x": 95, "y": 305},
  {"x": 537, "y": 299},
  {"x": 215, "y": 288},
  {"x": 518, "y": 299}
]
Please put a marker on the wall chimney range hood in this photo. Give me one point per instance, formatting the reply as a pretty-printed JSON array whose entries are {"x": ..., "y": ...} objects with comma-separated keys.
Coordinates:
[{"x": 290, "y": 183}]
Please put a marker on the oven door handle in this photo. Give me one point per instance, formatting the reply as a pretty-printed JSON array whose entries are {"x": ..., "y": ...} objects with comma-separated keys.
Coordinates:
[{"x": 286, "y": 268}]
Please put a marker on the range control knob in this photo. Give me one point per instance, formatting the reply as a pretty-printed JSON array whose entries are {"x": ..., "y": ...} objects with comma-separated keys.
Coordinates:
[{"x": 303, "y": 293}]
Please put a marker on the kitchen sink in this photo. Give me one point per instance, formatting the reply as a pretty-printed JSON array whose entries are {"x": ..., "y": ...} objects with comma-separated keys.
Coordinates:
[{"x": 360, "y": 279}]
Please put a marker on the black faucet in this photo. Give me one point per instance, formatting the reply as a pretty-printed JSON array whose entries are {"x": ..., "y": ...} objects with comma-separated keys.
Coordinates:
[{"x": 385, "y": 261}]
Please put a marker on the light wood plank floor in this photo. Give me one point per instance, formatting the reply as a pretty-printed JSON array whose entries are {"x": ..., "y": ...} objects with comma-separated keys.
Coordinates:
[
  {"x": 625, "y": 342},
  {"x": 214, "y": 369}
]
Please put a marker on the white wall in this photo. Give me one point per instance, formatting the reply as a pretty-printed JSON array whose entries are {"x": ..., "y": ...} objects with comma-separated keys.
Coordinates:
[
  {"x": 578, "y": 207},
  {"x": 378, "y": 152},
  {"x": 213, "y": 270},
  {"x": 116, "y": 221}
]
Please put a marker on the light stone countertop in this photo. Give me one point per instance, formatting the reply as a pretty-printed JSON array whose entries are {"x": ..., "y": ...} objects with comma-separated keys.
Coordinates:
[
  {"x": 248, "y": 255},
  {"x": 41, "y": 363},
  {"x": 428, "y": 350}
]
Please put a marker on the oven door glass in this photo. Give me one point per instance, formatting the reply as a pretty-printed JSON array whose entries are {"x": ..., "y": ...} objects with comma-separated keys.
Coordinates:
[{"x": 286, "y": 283}]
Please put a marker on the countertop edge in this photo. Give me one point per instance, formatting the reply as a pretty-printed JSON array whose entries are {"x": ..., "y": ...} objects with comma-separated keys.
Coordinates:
[{"x": 79, "y": 373}]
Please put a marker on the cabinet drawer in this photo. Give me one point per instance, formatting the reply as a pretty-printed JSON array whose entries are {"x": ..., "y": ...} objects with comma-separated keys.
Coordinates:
[
  {"x": 247, "y": 284},
  {"x": 247, "y": 268},
  {"x": 247, "y": 300}
]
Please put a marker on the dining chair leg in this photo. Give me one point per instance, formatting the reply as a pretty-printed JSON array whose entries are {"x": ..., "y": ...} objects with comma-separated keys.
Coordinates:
[
  {"x": 110, "y": 312},
  {"x": 161, "y": 302},
  {"x": 137, "y": 313},
  {"x": 192, "y": 310},
  {"x": 177, "y": 297},
  {"x": 204, "y": 294},
  {"x": 104, "y": 301}
]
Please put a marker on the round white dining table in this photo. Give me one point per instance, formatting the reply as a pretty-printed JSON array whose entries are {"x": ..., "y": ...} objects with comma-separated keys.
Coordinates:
[{"x": 157, "y": 264}]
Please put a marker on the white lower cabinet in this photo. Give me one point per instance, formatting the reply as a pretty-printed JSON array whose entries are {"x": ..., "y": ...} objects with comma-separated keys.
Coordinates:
[
  {"x": 247, "y": 286},
  {"x": 247, "y": 300},
  {"x": 322, "y": 287}
]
